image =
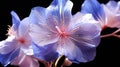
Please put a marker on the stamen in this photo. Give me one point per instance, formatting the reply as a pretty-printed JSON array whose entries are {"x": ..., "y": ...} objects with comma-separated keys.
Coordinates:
[
  {"x": 11, "y": 31},
  {"x": 58, "y": 29}
]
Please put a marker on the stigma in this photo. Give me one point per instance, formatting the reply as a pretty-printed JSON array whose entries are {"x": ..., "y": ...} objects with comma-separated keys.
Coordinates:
[{"x": 61, "y": 32}]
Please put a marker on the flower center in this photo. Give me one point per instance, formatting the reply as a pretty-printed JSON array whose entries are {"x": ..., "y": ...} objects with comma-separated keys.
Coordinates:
[
  {"x": 61, "y": 32},
  {"x": 22, "y": 41}
]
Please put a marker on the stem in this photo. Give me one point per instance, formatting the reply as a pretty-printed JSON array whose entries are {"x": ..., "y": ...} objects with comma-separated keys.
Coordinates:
[
  {"x": 107, "y": 35},
  {"x": 112, "y": 34},
  {"x": 116, "y": 31},
  {"x": 118, "y": 36}
]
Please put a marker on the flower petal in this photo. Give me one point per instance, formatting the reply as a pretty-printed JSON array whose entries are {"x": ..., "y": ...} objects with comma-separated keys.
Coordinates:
[
  {"x": 8, "y": 45},
  {"x": 112, "y": 5},
  {"x": 86, "y": 31},
  {"x": 71, "y": 51},
  {"x": 89, "y": 53},
  {"x": 113, "y": 20},
  {"x": 24, "y": 27},
  {"x": 25, "y": 61},
  {"x": 42, "y": 36},
  {"x": 27, "y": 50},
  {"x": 5, "y": 59},
  {"x": 61, "y": 10},
  {"x": 112, "y": 13},
  {"x": 15, "y": 20},
  {"x": 47, "y": 53},
  {"x": 9, "y": 50},
  {"x": 37, "y": 15},
  {"x": 94, "y": 8},
  {"x": 40, "y": 17},
  {"x": 67, "y": 12}
]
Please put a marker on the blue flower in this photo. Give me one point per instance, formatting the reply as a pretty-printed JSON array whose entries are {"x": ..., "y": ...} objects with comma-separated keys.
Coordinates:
[
  {"x": 93, "y": 7},
  {"x": 18, "y": 41},
  {"x": 112, "y": 11},
  {"x": 108, "y": 15},
  {"x": 56, "y": 32}
]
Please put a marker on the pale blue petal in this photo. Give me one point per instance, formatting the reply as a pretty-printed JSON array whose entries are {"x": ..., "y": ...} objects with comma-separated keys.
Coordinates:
[
  {"x": 118, "y": 7},
  {"x": 8, "y": 45},
  {"x": 87, "y": 43},
  {"x": 40, "y": 17},
  {"x": 60, "y": 5},
  {"x": 86, "y": 30},
  {"x": 95, "y": 8},
  {"x": 111, "y": 5},
  {"x": 47, "y": 53},
  {"x": 25, "y": 61},
  {"x": 42, "y": 36},
  {"x": 15, "y": 20},
  {"x": 71, "y": 51},
  {"x": 8, "y": 50},
  {"x": 88, "y": 34},
  {"x": 27, "y": 50},
  {"x": 85, "y": 34},
  {"x": 114, "y": 7},
  {"x": 67, "y": 12},
  {"x": 37, "y": 15},
  {"x": 6, "y": 59},
  {"x": 24, "y": 27},
  {"x": 112, "y": 10},
  {"x": 60, "y": 11},
  {"x": 89, "y": 53}
]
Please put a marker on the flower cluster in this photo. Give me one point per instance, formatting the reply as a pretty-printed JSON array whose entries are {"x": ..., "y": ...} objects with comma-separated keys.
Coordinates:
[{"x": 49, "y": 33}]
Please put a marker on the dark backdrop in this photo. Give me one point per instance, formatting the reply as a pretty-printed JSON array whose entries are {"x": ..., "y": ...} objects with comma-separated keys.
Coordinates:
[{"x": 107, "y": 52}]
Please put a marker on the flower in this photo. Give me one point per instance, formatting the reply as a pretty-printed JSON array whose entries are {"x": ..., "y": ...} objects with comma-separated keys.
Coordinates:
[
  {"x": 112, "y": 11},
  {"x": 107, "y": 15},
  {"x": 18, "y": 41},
  {"x": 24, "y": 60},
  {"x": 56, "y": 32}
]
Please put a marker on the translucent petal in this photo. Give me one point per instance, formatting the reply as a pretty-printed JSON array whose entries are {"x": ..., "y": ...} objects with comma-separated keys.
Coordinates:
[
  {"x": 25, "y": 61},
  {"x": 94, "y": 8},
  {"x": 42, "y": 36},
  {"x": 85, "y": 34},
  {"x": 89, "y": 53},
  {"x": 9, "y": 50},
  {"x": 24, "y": 27},
  {"x": 47, "y": 53},
  {"x": 38, "y": 15},
  {"x": 60, "y": 10},
  {"x": 8, "y": 45},
  {"x": 71, "y": 51},
  {"x": 112, "y": 18},
  {"x": 67, "y": 12},
  {"x": 15, "y": 20},
  {"x": 27, "y": 50},
  {"x": 86, "y": 30},
  {"x": 6, "y": 59},
  {"x": 112, "y": 14},
  {"x": 112, "y": 5}
]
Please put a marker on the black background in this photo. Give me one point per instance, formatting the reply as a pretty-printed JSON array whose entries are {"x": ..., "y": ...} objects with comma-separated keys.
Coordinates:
[{"x": 107, "y": 52}]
